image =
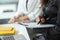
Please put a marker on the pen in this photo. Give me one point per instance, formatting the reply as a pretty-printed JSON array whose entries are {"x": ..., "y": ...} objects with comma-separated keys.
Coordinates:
[{"x": 39, "y": 21}]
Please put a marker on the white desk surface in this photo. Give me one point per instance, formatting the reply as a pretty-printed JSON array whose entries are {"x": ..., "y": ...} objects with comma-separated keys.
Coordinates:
[{"x": 19, "y": 29}]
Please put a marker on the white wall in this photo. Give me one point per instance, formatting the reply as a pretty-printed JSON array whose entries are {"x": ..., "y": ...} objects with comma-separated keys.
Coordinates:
[
  {"x": 6, "y": 7},
  {"x": 5, "y": 1}
]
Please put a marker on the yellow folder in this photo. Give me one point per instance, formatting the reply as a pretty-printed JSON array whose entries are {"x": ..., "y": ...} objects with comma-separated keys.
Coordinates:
[{"x": 6, "y": 30}]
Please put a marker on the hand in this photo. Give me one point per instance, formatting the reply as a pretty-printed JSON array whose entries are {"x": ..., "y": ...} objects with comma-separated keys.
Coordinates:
[
  {"x": 40, "y": 20},
  {"x": 23, "y": 19},
  {"x": 12, "y": 20}
]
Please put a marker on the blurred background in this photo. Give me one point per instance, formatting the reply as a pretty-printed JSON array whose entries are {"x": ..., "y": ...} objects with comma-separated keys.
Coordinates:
[{"x": 8, "y": 6}]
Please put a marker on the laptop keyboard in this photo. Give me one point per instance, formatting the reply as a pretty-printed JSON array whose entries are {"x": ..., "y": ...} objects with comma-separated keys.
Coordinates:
[
  {"x": 12, "y": 37},
  {"x": 8, "y": 38}
]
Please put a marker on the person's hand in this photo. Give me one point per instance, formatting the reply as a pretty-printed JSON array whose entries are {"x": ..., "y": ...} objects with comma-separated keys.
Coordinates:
[
  {"x": 18, "y": 19},
  {"x": 12, "y": 20},
  {"x": 40, "y": 20},
  {"x": 23, "y": 19},
  {"x": 15, "y": 18}
]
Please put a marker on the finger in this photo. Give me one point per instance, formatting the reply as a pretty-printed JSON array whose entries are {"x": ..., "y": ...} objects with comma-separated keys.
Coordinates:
[
  {"x": 37, "y": 20},
  {"x": 15, "y": 17},
  {"x": 26, "y": 21},
  {"x": 22, "y": 21},
  {"x": 11, "y": 21},
  {"x": 42, "y": 20}
]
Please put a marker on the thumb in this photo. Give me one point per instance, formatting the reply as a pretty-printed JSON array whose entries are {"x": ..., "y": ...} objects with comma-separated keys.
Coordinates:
[{"x": 42, "y": 20}]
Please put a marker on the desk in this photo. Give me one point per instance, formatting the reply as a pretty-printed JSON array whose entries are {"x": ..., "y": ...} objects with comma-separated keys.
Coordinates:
[{"x": 19, "y": 30}]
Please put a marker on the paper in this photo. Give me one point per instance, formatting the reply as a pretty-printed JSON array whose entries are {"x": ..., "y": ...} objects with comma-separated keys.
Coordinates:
[
  {"x": 35, "y": 25},
  {"x": 29, "y": 23}
]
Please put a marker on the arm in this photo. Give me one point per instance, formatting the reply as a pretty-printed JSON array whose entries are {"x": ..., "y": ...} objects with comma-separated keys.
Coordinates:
[
  {"x": 19, "y": 11},
  {"x": 34, "y": 14},
  {"x": 37, "y": 12},
  {"x": 20, "y": 8}
]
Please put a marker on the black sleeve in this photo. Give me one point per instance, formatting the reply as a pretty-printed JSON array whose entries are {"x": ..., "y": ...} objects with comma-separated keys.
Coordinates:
[
  {"x": 51, "y": 8},
  {"x": 58, "y": 15}
]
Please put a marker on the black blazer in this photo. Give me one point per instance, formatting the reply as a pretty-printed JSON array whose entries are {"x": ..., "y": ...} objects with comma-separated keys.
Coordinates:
[
  {"x": 58, "y": 18},
  {"x": 51, "y": 11}
]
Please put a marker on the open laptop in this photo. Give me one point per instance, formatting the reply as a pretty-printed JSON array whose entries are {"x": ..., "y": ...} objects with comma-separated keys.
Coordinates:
[{"x": 12, "y": 37}]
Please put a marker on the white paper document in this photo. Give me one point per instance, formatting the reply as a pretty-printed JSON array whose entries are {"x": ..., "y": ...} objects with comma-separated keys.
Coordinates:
[{"x": 35, "y": 25}]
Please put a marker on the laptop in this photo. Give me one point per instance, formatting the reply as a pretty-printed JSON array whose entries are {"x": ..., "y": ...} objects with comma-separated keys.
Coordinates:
[{"x": 12, "y": 37}]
